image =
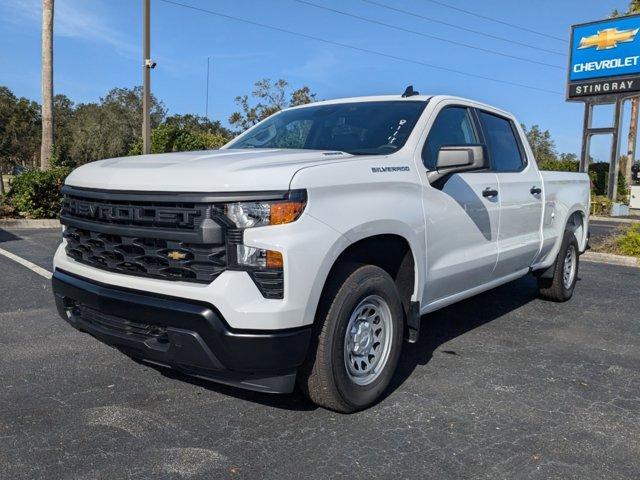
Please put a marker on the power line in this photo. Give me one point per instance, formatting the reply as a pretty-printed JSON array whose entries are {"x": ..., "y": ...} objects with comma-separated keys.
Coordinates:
[
  {"x": 359, "y": 49},
  {"x": 452, "y": 25},
  {"x": 427, "y": 35},
  {"x": 502, "y": 22}
]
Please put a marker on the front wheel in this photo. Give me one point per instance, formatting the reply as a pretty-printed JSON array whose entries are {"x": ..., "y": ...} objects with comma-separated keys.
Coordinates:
[
  {"x": 559, "y": 288},
  {"x": 357, "y": 341}
]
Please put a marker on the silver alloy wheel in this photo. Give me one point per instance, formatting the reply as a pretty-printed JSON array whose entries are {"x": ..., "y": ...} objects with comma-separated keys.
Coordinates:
[
  {"x": 570, "y": 264},
  {"x": 367, "y": 340}
]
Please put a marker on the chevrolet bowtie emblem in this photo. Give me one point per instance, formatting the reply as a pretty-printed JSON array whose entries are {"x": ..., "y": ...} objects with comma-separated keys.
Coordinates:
[
  {"x": 608, "y": 38},
  {"x": 176, "y": 255}
]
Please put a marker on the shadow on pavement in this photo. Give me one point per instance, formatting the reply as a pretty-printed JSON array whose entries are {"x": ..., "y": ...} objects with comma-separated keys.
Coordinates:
[
  {"x": 7, "y": 236},
  {"x": 437, "y": 328},
  {"x": 450, "y": 322}
]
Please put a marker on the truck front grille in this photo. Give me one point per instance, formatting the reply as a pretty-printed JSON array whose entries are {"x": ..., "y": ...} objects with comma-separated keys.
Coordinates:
[{"x": 163, "y": 238}]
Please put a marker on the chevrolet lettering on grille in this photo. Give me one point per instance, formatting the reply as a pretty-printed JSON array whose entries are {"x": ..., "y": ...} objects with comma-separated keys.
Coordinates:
[{"x": 152, "y": 214}]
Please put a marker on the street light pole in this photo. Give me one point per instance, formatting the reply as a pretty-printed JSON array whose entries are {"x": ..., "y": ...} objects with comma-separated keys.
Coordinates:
[
  {"x": 206, "y": 108},
  {"x": 146, "y": 78}
]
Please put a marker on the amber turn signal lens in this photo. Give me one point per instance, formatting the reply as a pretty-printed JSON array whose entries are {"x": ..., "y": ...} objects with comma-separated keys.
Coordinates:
[
  {"x": 274, "y": 259},
  {"x": 285, "y": 212}
]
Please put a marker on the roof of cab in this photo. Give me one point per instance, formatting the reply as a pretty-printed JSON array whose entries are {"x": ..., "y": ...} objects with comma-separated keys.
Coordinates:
[
  {"x": 388, "y": 98},
  {"x": 375, "y": 98}
]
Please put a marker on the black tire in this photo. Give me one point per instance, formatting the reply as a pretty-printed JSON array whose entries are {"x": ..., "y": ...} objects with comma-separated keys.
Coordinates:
[
  {"x": 324, "y": 377},
  {"x": 554, "y": 288}
]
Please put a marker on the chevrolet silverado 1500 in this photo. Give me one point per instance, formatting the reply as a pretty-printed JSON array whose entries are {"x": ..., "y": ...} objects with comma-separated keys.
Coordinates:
[{"x": 307, "y": 249}]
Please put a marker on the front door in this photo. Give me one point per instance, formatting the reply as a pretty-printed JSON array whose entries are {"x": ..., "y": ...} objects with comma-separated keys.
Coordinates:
[{"x": 461, "y": 214}]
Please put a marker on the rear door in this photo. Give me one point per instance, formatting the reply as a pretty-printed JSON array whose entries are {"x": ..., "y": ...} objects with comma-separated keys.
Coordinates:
[
  {"x": 461, "y": 217},
  {"x": 520, "y": 186}
]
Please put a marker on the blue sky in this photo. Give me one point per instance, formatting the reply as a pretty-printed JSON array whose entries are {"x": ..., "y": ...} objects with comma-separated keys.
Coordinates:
[{"x": 98, "y": 46}]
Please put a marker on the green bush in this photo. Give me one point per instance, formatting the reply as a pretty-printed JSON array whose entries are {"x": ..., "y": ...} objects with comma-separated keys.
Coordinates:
[
  {"x": 171, "y": 138},
  {"x": 559, "y": 165},
  {"x": 629, "y": 242},
  {"x": 598, "y": 173},
  {"x": 36, "y": 193}
]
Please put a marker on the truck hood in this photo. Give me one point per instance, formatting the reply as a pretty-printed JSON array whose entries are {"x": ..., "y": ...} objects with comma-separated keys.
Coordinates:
[{"x": 203, "y": 171}]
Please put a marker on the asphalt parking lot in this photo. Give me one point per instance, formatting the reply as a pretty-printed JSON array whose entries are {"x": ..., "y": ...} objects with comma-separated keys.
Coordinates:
[{"x": 500, "y": 386}]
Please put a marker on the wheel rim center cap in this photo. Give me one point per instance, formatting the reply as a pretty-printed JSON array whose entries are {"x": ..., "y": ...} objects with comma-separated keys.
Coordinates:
[{"x": 362, "y": 338}]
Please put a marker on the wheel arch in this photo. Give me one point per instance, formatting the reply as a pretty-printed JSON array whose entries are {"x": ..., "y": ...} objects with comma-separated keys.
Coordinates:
[
  {"x": 577, "y": 222},
  {"x": 392, "y": 252}
]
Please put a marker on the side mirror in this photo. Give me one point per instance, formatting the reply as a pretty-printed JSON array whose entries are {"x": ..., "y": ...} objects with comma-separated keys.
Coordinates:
[{"x": 456, "y": 159}]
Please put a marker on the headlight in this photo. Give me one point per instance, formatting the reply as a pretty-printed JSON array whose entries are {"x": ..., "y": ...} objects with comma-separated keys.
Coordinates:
[
  {"x": 260, "y": 214},
  {"x": 258, "y": 257}
]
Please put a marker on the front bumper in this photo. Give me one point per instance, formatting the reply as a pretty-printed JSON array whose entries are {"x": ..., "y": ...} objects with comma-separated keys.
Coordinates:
[{"x": 188, "y": 336}]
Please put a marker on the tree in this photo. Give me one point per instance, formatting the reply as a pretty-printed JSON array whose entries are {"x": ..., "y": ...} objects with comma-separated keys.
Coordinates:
[
  {"x": 271, "y": 98},
  {"x": 302, "y": 96},
  {"x": 46, "y": 147},
  {"x": 569, "y": 157},
  {"x": 543, "y": 146},
  {"x": 19, "y": 130},
  {"x": 63, "y": 114},
  {"x": 110, "y": 128},
  {"x": 197, "y": 124},
  {"x": 172, "y": 138}
]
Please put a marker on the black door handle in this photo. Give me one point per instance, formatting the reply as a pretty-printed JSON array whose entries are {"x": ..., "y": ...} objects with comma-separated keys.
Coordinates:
[
  {"x": 535, "y": 190},
  {"x": 489, "y": 192}
]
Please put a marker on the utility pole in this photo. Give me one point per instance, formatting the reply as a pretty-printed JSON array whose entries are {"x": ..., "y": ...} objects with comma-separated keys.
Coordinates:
[
  {"x": 46, "y": 146},
  {"x": 147, "y": 65},
  {"x": 206, "y": 108}
]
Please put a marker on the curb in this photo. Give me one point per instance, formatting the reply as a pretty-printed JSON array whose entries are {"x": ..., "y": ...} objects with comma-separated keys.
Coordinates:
[
  {"x": 20, "y": 223},
  {"x": 611, "y": 259},
  {"x": 629, "y": 221}
]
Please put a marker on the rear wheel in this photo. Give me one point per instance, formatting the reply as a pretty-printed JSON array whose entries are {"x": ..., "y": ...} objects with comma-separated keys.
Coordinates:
[
  {"x": 357, "y": 341},
  {"x": 559, "y": 288}
]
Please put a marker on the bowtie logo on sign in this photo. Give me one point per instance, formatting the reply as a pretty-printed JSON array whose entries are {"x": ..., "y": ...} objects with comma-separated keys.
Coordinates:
[{"x": 608, "y": 39}]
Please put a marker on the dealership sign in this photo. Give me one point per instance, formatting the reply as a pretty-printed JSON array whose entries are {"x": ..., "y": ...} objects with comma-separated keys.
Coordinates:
[{"x": 604, "y": 58}]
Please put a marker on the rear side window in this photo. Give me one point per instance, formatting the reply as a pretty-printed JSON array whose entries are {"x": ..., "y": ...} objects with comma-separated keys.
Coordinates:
[
  {"x": 502, "y": 143},
  {"x": 453, "y": 126}
]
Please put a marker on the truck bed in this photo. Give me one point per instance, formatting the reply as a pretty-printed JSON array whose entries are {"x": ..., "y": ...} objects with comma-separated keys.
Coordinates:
[{"x": 564, "y": 194}]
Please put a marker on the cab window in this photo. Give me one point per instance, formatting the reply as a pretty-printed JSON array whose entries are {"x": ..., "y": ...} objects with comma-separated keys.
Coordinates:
[
  {"x": 453, "y": 126},
  {"x": 502, "y": 143}
]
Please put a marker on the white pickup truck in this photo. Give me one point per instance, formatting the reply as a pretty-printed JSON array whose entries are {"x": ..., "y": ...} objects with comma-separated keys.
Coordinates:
[{"x": 307, "y": 249}]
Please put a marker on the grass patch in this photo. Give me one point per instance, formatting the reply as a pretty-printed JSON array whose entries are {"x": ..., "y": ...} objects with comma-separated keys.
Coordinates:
[{"x": 625, "y": 241}]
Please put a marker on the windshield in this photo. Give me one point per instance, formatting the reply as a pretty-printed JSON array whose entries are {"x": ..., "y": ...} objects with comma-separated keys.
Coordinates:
[{"x": 361, "y": 128}]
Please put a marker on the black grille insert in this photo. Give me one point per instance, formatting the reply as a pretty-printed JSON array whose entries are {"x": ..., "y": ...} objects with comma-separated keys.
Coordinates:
[
  {"x": 122, "y": 326},
  {"x": 146, "y": 257}
]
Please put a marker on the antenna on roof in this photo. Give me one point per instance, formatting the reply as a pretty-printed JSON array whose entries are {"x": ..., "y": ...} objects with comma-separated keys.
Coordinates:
[{"x": 409, "y": 92}]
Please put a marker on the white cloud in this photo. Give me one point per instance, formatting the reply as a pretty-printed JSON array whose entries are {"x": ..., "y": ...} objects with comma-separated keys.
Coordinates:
[
  {"x": 73, "y": 19},
  {"x": 319, "y": 67}
]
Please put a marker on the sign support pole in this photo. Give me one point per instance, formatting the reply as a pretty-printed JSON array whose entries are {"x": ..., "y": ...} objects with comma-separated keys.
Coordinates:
[
  {"x": 614, "y": 166},
  {"x": 588, "y": 132},
  {"x": 586, "y": 138}
]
